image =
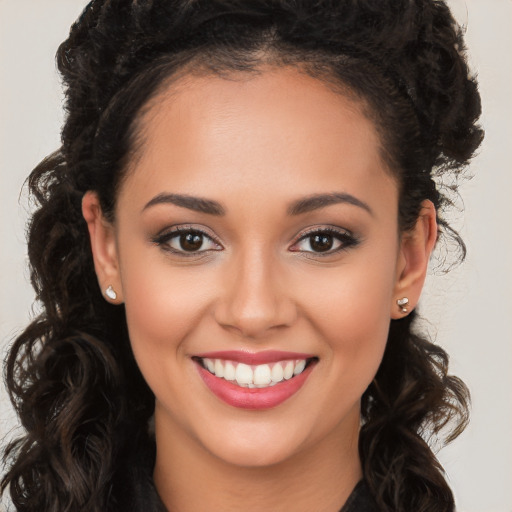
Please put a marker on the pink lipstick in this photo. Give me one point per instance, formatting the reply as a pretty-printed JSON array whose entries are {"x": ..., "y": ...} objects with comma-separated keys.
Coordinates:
[{"x": 254, "y": 380}]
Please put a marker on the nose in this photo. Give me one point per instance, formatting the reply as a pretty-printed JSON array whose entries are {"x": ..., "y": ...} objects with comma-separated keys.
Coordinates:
[{"x": 255, "y": 299}]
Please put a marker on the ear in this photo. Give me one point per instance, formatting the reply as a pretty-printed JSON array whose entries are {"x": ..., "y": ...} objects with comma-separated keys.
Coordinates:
[
  {"x": 104, "y": 248},
  {"x": 415, "y": 249}
]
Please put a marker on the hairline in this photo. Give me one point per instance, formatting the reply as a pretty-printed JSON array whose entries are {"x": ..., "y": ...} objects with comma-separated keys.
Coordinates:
[{"x": 196, "y": 65}]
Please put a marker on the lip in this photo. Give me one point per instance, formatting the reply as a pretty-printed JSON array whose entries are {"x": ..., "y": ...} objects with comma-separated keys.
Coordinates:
[
  {"x": 254, "y": 358},
  {"x": 254, "y": 398}
]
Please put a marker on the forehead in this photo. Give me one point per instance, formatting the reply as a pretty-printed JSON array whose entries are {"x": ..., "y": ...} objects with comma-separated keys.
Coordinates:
[{"x": 255, "y": 130}]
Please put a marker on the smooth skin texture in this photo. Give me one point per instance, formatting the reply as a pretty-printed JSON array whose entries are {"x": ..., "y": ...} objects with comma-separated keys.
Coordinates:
[{"x": 256, "y": 280}]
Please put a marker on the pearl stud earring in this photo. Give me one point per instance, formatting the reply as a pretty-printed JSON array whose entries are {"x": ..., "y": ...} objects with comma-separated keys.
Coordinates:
[
  {"x": 111, "y": 293},
  {"x": 402, "y": 304}
]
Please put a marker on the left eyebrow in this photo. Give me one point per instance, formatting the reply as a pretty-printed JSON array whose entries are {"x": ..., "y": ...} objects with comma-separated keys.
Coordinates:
[
  {"x": 198, "y": 204},
  {"x": 317, "y": 201}
]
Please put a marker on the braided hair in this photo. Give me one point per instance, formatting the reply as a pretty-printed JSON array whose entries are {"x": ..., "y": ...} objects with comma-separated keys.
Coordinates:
[{"x": 71, "y": 374}]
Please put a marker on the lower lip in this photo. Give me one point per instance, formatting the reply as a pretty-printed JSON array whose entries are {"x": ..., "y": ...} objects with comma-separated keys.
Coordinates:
[{"x": 253, "y": 398}]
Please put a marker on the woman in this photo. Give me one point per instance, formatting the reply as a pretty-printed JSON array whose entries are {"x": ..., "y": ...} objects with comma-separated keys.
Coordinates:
[{"x": 230, "y": 246}]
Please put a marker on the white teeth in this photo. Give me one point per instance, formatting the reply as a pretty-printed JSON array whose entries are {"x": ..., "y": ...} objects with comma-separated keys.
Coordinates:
[
  {"x": 288, "y": 370},
  {"x": 256, "y": 376},
  {"x": 299, "y": 367},
  {"x": 277, "y": 373},
  {"x": 219, "y": 368},
  {"x": 262, "y": 375},
  {"x": 229, "y": 371},
  {"x": 243, "y": 374}
]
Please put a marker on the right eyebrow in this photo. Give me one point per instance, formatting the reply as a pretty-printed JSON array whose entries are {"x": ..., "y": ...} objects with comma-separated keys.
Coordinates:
[
  {"x": 317, "y": 201},
  {"x": 198, "y": 204}
]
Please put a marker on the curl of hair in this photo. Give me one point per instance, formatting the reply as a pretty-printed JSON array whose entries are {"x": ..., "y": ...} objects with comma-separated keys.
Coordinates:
[{"x": 71, "y": 374}]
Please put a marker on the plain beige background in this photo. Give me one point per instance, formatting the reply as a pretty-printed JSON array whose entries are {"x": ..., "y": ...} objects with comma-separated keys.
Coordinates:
[{"x": 471, "y": 308}]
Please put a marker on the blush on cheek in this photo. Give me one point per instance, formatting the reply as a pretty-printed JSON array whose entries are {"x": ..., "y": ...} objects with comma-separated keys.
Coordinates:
[
  {"x": 163, "y": 306},
  {"x": 157, "y": 322},
  {"x": 355, "y": 323}
]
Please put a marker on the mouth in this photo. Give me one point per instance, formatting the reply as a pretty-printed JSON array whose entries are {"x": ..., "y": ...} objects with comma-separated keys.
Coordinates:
[
  {"x": 233, "y": 379},
  {"x": 255, "y": 376}
]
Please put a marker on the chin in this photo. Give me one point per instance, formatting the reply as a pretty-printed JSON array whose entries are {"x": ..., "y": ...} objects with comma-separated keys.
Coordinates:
[{"x": 253, "y": 455}]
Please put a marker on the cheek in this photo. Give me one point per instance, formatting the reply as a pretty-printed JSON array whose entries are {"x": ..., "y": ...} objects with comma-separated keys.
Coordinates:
[
  {"x": 349, "y": 308},
  {"x": 163, "y": 304},
  {"x": 357, "y": 294}
]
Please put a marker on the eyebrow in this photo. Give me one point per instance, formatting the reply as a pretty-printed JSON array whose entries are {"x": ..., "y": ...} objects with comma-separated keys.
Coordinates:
[
  {"x": 317, "y": 201},
  {"x": 197, "y": 204},
  {"x": 303, "y": 205}
]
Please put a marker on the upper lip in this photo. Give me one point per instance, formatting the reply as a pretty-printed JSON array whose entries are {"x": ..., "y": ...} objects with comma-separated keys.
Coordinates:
[{"x": 254, "y": 358}]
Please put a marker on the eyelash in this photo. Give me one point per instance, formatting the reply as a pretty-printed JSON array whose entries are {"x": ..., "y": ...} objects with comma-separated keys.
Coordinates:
[
  {"x": 163, "y": 240},
  {"x": 346, "y": 239}
]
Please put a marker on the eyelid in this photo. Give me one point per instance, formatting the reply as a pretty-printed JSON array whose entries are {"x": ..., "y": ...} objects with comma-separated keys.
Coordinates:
[
  {"x": 346, "y": 238},
  {"x": 167, "y": 234}
]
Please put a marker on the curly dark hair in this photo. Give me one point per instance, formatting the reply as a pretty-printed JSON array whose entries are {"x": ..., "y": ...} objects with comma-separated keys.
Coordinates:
[{"x": 71, "y": 374}]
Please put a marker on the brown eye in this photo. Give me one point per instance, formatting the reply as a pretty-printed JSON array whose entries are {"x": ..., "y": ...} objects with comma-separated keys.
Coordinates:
[
  {"x": 191, "y": 241},
  {"x": 187, "y": 242},
  {"x": 321, "y": 242},
  {"x": 325, "y": 241}
]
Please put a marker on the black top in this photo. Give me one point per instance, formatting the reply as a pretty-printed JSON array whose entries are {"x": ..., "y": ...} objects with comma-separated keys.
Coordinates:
[
  {"x": 148, "y": 501},
  {"x": 360, "y": 500},
  {"x": 135, "y": 490}
]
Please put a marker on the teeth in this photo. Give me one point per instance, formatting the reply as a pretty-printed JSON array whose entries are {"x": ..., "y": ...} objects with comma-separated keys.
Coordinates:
[
  {"x": 219, "y": 368},
  {"x": 299, "y": 367},
  {"x": 243, "y": 374},
  {"x": 256, "y": 376},
  {"x": 277, "y": 373},
  {"x": 288, "y": 370},
  {"x": 229, "y": 371},
  {"x": 262, "y": 375}
]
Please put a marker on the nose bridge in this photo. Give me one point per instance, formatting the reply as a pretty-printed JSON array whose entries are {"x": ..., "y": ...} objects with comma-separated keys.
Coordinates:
[{"x": 256, "y": 299}]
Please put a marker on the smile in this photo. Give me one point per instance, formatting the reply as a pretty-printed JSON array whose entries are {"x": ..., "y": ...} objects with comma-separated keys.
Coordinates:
[
  {"x": 254, "y": 376},
  {"x": 254, "y": 381}
]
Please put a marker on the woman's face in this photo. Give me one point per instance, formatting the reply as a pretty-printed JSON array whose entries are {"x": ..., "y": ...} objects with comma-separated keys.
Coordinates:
[{"x": 257, "y": 232}]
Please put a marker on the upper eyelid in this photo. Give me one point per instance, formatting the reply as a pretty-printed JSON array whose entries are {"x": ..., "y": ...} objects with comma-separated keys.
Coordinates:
[
  {"x": 322, "y": 229},
  {"x": 350, "y": 239},
  {"x": 180, "y": 228},
  {"x": 185, "y": 228}
]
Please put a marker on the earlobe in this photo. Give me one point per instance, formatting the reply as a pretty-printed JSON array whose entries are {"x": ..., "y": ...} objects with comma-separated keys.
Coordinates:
[
  {"x": 104, "y": 249},
  {"x": 415, "y": 250}
]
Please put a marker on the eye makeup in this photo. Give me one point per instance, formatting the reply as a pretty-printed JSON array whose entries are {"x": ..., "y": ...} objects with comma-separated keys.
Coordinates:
[
  {"x": 319, "y": 241},
  {"x": 187, "y": 241},
  {"x": 325, "y": 241}
]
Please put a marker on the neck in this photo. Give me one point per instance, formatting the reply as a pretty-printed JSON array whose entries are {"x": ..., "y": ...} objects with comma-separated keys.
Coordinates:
[{"x": 321, "y": 477}]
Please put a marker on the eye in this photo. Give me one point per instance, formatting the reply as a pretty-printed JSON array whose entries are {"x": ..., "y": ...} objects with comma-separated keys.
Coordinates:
[
  {"x": 324, "y": 241},
  {"x": 186, "y": 241}
]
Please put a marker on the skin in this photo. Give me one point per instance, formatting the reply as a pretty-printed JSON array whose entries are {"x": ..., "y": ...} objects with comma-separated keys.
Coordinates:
[{"x": 256, "y": 144}]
